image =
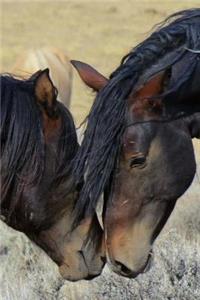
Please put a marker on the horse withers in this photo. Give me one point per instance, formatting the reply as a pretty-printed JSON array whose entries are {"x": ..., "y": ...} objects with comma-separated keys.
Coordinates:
[
  {"x": 55, "y": 60},
  {"x": 38, "y": 192},
  {"x": 137, "y": 147}
]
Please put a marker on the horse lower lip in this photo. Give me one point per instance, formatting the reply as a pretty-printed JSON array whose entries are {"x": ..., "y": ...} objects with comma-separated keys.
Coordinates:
[
  {"x": 91, "y": 276},
  {"x": 124, "y": 274}
]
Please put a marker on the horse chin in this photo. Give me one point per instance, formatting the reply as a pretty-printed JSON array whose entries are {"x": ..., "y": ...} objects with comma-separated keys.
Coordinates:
[
  {"x": 73, "y": 274},
  {"x": 76, "y": 266}
]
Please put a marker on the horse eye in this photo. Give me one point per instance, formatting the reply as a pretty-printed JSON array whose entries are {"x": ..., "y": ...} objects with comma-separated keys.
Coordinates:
[{"x": 137, "y": 161}]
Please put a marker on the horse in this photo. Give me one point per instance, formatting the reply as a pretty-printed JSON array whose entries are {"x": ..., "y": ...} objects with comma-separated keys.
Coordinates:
[
  {"x": 137, "y": 148},
  {"x": 48, "y": 57},
  {"x": 38, "y": 191}
]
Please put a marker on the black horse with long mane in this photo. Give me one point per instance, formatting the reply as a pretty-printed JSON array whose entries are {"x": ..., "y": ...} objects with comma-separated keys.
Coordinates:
[
  {"x": 137, "y": 147},
  {"x": 38, "y": 192}
]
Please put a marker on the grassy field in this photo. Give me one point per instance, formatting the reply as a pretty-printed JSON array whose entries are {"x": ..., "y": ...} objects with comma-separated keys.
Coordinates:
[{"x": 97, "y": 32}]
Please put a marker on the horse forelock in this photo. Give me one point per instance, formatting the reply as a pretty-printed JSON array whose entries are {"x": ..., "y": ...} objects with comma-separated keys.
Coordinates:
[
  {"x": 97, "y": 156},
  {"x": 22, "y": 141}
]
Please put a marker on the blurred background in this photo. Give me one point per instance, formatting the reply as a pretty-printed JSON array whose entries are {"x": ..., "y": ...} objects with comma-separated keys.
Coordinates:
[{"x": 97, "y": 32}]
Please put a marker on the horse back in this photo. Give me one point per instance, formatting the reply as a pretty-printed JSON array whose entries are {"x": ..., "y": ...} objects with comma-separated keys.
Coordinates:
[{"x": 58, "y": 63}]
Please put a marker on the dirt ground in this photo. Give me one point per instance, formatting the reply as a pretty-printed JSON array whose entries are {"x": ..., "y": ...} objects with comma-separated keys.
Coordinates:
[{"x": 97, "y": 32}]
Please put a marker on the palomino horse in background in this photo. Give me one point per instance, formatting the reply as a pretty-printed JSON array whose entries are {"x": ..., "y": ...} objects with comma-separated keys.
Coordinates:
[
  {"x": 137, "y": 147},
  {"x": 58, "y": 63},
  {"x": 38, "y": 192}
]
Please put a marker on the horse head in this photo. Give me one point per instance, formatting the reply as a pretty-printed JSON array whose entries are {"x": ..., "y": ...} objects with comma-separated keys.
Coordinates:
[
  {"x": 142, "y": 123},
  {"x": 38, "y": 192}
]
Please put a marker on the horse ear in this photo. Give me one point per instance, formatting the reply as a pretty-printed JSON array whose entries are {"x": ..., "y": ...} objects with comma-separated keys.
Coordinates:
[
  {"x": 89, "y": 75},
  {"x": 45, "y": 92},
  {"x": 153, "y": 87},
  {"x": 146, "y": 97}
]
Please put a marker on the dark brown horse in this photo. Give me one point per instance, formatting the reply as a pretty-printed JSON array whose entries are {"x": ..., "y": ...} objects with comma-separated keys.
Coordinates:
[
  {"x": 38, "y": 143},
  {"x": 138, "y": 147}
]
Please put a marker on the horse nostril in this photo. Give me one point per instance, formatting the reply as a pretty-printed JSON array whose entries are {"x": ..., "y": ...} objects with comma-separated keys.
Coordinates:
[{"x": 123, "y": 268}]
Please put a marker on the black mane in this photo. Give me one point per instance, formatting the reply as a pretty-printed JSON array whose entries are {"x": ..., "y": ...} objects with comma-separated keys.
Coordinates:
[
  {"x": 174, "y": 40},
  {"x": 23, "y": 149}
]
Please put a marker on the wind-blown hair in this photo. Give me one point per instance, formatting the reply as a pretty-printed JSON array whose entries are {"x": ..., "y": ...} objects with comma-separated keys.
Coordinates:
[
  {"x": 23, "y": 150},
  {"x": 176, "y": 39}
]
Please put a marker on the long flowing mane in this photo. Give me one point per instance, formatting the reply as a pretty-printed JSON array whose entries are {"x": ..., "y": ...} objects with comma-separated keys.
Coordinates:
[
  {"x": 23, "y": 148},
  {"x": 176, "y": 39}
]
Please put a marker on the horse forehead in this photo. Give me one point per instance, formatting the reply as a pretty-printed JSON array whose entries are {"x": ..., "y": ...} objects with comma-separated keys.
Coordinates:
[
  {"x": 134, "y": 134},
  {"x": 130, "y": 139}
]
